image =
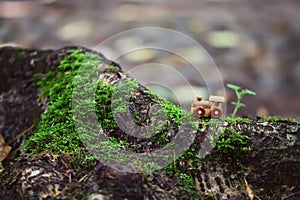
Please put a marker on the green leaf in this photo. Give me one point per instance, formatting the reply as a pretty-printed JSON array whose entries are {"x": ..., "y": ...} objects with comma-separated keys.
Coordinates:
[
  {"x": 238, "y": 104},
  {"x": 250, "y": 92},
  {"x": 242, "y": 105},
  {"x": 232, "y": 86}
]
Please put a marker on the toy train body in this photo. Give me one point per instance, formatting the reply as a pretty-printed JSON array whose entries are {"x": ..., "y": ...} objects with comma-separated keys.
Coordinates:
[{"x": 213, "y": 107}]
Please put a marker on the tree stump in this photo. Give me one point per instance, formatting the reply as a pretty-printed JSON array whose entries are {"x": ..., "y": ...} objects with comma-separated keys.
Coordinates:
[{"x": 268, "y": 169}]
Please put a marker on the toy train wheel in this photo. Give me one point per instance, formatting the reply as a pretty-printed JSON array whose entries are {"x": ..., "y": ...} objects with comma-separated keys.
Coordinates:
[
  {"x": 199, "y": 111},
  {"x": 216, "y": 112}
]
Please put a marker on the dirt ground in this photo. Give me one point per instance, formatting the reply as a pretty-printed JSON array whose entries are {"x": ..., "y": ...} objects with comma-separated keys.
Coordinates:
[{"x": 254, "y": 44}]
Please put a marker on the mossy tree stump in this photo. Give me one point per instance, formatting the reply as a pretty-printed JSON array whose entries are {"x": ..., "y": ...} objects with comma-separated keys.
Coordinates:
[{"x": 252, "y": 158}]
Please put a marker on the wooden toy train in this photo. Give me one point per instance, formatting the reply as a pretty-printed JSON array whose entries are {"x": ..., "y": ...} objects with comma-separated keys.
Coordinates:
[{"x": 213, "y": 107}]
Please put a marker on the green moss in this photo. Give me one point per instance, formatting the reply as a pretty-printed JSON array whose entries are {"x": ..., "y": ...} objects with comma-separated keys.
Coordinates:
[
  {"x": 237, "y": 120},
  {"x": 103, "y": 106},
  {"x": 187, "y": 186},
  {"x": 56, "y": 131},
  {"x": 57, "y": 122},
  {"x": 188, "y": 189},
  {"x": 232, "y": 143},
  {"x": 19, "y": 54},
  {"x": 171, "y": 111},
  {"x": 233, "y": 148},
  {"x": 178, "y": 115},
  {"x": 278, "y": 119},
  {"x": 112, "y": 68},
  {"x": 125, "y": 91}
]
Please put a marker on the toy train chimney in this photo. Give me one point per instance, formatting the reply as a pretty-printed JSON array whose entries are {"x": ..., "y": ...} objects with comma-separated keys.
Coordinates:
[{"x": 199, "y": 98}]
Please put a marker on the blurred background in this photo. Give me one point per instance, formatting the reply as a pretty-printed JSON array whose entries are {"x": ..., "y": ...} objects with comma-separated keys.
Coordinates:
[{"x": 255, "y": 44}]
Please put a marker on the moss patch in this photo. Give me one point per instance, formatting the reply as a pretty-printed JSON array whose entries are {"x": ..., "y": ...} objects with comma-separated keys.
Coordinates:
[
  {"x": 56, "y": 130},
  {"x": 232, "y": 143},
  {"x": 279, "y": 119},
  {"x": 237, "y": 120}
]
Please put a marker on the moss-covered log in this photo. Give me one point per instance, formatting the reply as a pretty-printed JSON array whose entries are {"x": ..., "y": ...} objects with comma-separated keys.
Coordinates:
[{"x": 250, "y": 159}]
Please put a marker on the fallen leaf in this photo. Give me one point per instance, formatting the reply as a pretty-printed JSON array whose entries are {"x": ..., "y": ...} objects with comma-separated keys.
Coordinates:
[
  {"x": 4, "y": 149},
  {"x": 250, "y": 191}
]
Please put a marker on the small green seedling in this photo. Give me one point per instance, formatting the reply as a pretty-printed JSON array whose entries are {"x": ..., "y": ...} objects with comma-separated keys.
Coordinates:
[{"x": 240, "y": 93}]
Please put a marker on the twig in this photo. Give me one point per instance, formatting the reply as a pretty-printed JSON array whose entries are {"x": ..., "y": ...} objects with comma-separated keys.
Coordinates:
[{"x": 20, "y": 135}]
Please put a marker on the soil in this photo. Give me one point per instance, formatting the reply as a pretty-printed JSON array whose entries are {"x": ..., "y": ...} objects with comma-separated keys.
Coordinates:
[{"x": 269, "y": 170}]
